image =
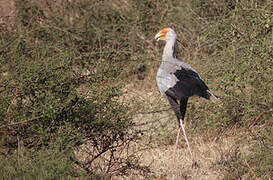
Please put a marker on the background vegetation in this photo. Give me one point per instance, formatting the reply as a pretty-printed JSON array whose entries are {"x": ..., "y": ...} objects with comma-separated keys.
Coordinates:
[{"x": 64, "y": 64}]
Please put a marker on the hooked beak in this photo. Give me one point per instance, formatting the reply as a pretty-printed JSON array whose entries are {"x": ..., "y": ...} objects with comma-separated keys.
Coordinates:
[{"x": 159, "y": 36}]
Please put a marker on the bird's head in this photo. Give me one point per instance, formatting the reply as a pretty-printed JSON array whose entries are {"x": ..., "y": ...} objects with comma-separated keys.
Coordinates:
[{"x": 165, "y": 34}]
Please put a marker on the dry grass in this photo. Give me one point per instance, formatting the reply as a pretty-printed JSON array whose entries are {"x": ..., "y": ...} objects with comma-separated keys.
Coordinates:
[
  {"x": 228, "y": 42},
  {"x": 159, "y": 127},
  {"x": 207, "y": 155},
  {"x": 213, "y": 153}
]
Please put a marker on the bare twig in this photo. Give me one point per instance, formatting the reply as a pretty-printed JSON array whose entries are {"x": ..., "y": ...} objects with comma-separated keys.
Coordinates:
[
  {"x": 259, "y": 116},
  {"x": 22, "y": 122},
  {"x": 249, "y": 166}
]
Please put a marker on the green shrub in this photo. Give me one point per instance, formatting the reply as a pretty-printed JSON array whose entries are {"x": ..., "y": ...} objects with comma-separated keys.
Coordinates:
[
  {"x": 63, "y": 64},
  {"x": 60, "y": 84}
]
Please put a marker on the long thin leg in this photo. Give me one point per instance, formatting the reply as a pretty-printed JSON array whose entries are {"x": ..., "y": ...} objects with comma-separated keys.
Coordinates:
[
  {"x": 180, "y": 113},
  {"x": 185, "y": 135},
  {"x": 175, "y": 106},
  {"x": 176, "y": 144}
]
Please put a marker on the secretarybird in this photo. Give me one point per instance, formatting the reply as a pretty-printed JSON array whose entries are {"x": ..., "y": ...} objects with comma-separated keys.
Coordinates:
[{"x": 178, "y": 81}]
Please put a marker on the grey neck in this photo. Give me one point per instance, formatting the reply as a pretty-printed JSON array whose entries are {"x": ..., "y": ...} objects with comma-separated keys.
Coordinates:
[{"x": 170, "y": 49}]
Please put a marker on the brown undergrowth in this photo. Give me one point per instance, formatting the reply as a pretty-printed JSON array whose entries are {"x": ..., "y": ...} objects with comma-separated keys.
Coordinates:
[
  {"x": 213, "y": 152},
  {"x": 79, "y": 99}
]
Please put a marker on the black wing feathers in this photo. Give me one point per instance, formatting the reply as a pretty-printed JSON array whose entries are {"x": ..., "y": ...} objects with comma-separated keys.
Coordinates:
[{"x": 188, "y": 84}]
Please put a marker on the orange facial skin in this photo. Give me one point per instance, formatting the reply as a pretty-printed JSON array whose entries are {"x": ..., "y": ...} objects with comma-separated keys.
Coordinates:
[{"x": 163, "y": 32}]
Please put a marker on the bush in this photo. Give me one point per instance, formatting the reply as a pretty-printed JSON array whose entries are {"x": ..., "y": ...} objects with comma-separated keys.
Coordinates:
[
  {"x": 60, "y": 84},
  {"x": 63, "y": 64}
]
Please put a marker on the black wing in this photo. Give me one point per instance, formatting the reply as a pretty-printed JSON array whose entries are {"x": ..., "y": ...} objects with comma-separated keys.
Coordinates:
[{"x": 189, "y": 83}]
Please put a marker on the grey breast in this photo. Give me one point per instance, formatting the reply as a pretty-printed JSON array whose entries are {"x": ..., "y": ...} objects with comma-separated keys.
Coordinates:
[{"x": 165, "y": 75}]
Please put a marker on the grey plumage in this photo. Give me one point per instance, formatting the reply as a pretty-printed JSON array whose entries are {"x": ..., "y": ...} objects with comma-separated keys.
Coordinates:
[{"x": 178, "y": 80}]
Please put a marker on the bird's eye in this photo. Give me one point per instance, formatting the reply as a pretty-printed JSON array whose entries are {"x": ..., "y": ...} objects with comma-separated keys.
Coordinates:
[{"x": 164, "y": 32}]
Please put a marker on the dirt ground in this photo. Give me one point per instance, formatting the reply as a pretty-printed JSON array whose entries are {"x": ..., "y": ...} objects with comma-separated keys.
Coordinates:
[
  {"x": 7, "y": 11},
  {"x": 160, "y": 127},
  {"x": 152, "y": 114}
]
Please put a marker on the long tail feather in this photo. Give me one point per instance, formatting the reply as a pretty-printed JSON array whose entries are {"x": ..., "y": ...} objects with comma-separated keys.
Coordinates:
[{"x": 213, "y": 97}]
